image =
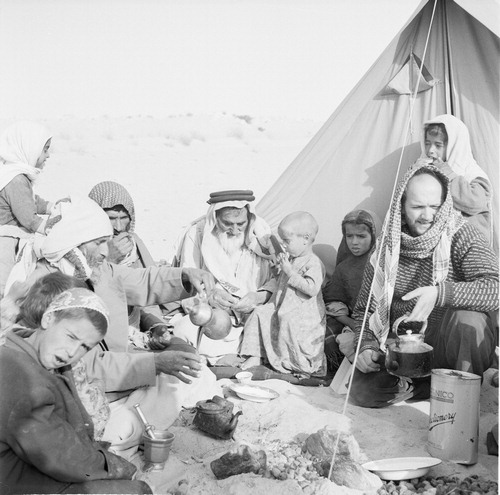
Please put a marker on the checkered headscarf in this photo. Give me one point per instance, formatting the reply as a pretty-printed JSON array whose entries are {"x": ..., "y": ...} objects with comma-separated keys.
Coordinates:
[
  {"x": 109, "y": 194},
  {"x": 436, "y": 242}
]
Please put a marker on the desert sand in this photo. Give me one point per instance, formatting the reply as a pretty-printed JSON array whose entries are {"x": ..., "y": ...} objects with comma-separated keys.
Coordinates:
[
  {"x": 397, "y": 431},
  {"x": 170, "y": 166}
]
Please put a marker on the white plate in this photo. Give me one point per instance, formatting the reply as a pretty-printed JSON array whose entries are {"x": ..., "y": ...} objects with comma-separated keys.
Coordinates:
[
  {"x": 254, "y": 393},
  {"x": 401, "y": 468}
]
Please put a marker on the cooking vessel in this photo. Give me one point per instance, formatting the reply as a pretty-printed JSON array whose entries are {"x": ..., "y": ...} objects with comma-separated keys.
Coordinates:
[
  {"x": 408, "y": 355},
  {"x": 215, "y": 323},
  {"x": 215, "y": 416}
]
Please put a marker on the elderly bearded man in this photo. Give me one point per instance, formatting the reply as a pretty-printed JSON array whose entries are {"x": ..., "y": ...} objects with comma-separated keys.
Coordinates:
[{"x": 230, "y": 242}]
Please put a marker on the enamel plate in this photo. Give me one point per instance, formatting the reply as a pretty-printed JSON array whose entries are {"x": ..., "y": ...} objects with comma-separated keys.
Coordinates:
[
  {"x": 254, "y": 393},
  {"x": 401, "y": 468}
]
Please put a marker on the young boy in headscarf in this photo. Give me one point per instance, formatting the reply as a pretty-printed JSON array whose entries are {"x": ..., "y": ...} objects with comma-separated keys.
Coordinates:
[{"x": 46, "y": 439}]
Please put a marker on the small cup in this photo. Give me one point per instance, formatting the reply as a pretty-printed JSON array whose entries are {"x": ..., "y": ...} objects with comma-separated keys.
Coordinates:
[
  {"x": 244, "y": 377},
  {"x": 157, "y": 450}
]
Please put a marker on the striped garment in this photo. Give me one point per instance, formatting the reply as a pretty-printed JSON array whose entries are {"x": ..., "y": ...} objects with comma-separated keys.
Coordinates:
[
  {"x": 471, "y": 284},
  {"x": 398, "y": 242}
]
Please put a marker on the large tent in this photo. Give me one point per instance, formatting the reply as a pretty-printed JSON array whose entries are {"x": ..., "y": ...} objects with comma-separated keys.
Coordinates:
[{"x": 352, "y": 161}]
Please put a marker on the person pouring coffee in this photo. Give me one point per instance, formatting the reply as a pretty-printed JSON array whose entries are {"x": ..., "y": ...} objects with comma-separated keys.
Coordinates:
[{"x": 430, "y": 266}]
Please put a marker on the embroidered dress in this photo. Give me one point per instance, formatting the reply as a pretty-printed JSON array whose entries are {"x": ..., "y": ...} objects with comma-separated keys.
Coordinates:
[
  {"x": 289, "y": 330},
  {"x": 93, "y": 398}
]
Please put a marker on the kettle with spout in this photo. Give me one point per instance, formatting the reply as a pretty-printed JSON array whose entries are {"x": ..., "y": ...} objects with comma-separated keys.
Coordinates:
[{"x": 215, "y": 416}]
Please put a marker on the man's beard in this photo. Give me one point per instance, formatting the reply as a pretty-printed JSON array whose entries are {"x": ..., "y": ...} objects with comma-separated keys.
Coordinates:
[
  {"x": 231, "y": 244},
  {"x": 95, "y": 275},
  {"x": 95, "y": 263}
]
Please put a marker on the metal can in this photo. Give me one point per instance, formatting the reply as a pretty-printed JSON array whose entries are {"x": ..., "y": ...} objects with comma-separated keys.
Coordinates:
[{"x": 454, "y": 416}]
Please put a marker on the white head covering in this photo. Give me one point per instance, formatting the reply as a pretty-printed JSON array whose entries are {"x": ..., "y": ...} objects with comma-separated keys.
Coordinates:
[
  {"x": 21, "y": 144},
  {"x": 216, "y": 260},
  {"x": 458, "y": 152},
  {"x": 83, "y": 220}
]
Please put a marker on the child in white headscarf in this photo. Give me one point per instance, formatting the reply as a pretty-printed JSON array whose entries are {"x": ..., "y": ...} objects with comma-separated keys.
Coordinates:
[
  {"x": 24, "y": 148},
  {"x": 445, "y": 143}
]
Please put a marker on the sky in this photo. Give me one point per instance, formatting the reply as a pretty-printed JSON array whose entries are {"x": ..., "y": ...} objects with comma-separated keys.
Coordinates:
[{"x": 284, "y": 58}]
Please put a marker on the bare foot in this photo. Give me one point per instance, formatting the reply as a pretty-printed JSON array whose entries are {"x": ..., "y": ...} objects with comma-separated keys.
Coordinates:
[{"x": 250, "y": 362}]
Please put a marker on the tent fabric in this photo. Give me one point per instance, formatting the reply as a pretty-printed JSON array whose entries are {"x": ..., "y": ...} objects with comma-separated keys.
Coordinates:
[
  {"x": 352, "y": 162},
  {"x": 404, "y": 82}
]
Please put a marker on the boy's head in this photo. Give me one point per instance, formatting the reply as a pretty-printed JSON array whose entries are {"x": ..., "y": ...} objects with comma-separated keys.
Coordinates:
[
  {"x": 75, "y": 322},
  {"x": 42, "y": 293},
  {"x": 298, "y": 231},
  {"x": 358, "y": 229},
  {"x": 436, "y": 142}
]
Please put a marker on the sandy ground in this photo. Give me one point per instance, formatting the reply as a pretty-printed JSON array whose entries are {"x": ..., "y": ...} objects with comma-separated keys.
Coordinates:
[
  {"x": 397, "y": 431},
  {"x": 170, "y": 166}
]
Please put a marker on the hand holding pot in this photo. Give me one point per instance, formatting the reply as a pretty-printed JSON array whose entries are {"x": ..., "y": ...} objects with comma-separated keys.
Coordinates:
[
  {"x": 220, "y": 298},
  {"x": 367, "y": 361}
]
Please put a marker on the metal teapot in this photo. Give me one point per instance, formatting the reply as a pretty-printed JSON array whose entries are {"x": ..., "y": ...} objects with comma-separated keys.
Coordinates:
[
  {"x": 215, "y": 323},
  {"x": 215, "y": 416},
  {"x": 408, "y": 355}
]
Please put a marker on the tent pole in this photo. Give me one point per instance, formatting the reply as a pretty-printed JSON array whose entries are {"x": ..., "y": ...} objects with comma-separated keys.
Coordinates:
[
  {"x": 449, "y": 86},
  {"x": 384, "y": 233}
]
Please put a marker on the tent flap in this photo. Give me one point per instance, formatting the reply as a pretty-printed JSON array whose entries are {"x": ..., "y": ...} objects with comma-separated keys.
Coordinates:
[{"x": 352, "y": 162}]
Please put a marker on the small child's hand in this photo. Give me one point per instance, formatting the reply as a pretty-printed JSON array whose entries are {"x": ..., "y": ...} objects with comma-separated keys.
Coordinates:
[
  {"x": 422, "y": 161},
  {"x": 285, "y": 264}
]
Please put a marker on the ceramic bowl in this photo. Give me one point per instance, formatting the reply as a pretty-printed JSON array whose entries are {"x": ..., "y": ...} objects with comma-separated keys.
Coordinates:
[{"x": 244, "y": 377}]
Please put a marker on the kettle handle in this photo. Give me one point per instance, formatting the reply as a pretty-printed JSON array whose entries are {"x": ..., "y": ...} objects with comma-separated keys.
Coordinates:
[{"x": 395, "y": 325}]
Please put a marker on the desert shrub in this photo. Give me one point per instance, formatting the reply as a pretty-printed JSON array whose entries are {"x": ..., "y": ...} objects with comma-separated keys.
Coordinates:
[{"x": 245, "y": 118}]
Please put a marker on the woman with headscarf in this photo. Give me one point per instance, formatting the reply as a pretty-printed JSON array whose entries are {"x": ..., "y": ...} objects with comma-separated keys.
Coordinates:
[
  {"x": 24, "y": 148},
  {"x": 430, "y": 265},
  {"x": 445, "y": 143},
  {"x": 46, "y": 439}
]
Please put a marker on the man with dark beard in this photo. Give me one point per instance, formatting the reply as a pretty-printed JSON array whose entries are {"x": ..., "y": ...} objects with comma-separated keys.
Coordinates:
[
  {"x": 230, "y": 242},
  {"x": 148, "y": 329}
]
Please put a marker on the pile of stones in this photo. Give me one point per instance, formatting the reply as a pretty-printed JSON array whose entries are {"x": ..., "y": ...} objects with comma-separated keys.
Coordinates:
[{"x": 442, "y": 485}]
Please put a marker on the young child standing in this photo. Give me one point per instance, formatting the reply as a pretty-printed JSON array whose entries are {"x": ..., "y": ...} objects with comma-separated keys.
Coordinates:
[
  {"x": 289, "y": 330},
  {"x": 24, "y": 148},
  {"x": 359, "y": 230}
]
